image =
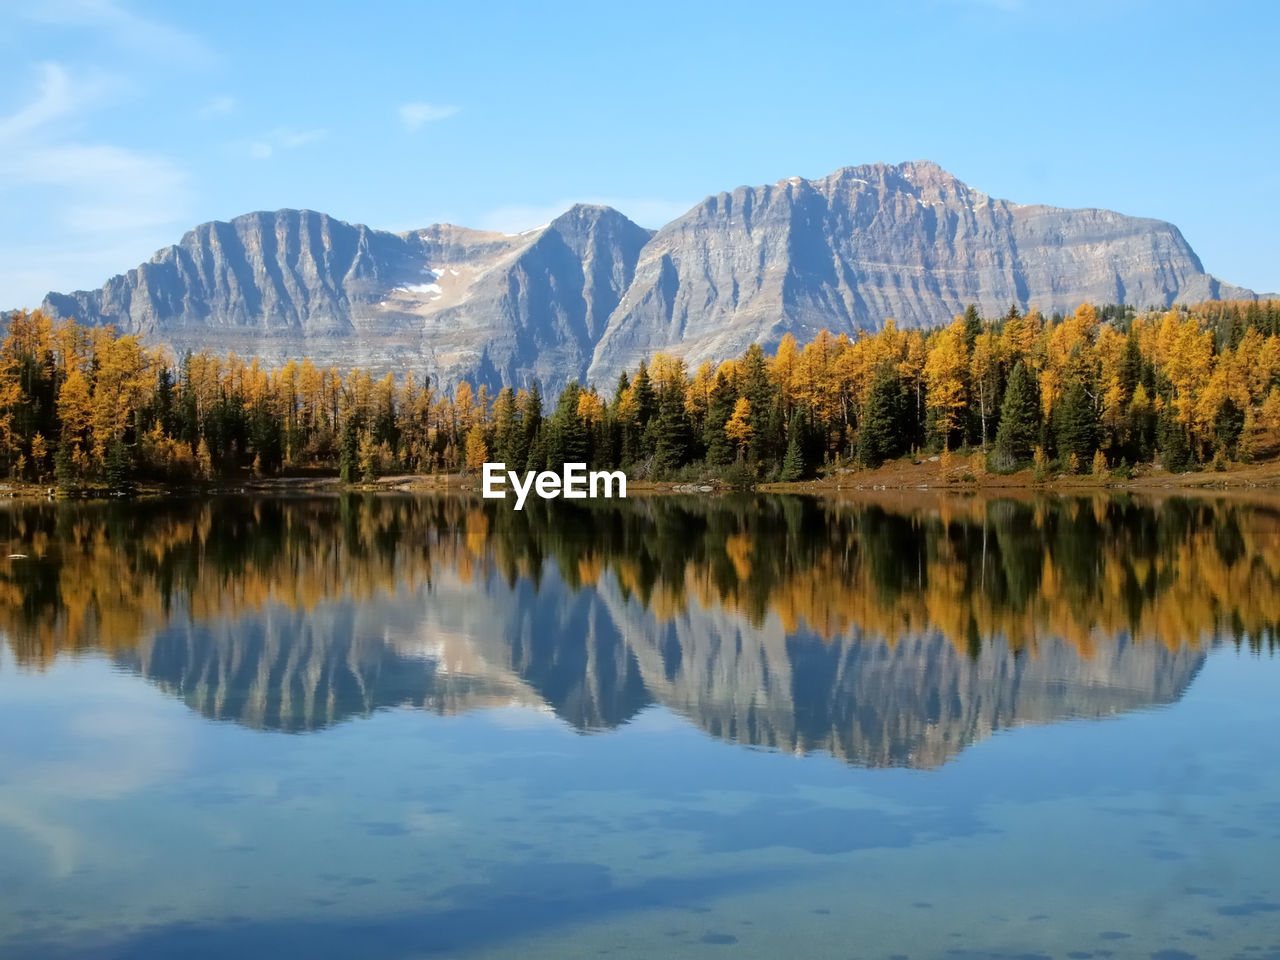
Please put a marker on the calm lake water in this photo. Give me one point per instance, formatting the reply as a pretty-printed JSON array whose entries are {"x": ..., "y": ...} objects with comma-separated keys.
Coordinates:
[{"x": 423, "y": 726}]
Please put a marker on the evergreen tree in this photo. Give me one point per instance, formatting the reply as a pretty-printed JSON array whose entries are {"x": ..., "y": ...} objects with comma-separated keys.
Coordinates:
[
  {"x": 799, "y": 459},
  {"x": 506, "y": 426},
  {"x": 119, "y": 469},
  {"x": 64, "y": 472},
  {"x": 670, "y": 432},
  {"x": 348, "y": 451},
  {"x": 188, "y": 418},
  {"x": 264, "y": 437},
  {"x": 532, "y": 454},
  {"x": 972, "y": 326},
  {"x": 1130, "y": 365},
  {"x": 720, "y": 450},
  {"x": 766, "y": 431},
  {"x": 627, "y": 425},
  {"x": 792, "y": 461},
  {"x": 1141, "y": 425},
  {"x": 774, "y": 439},
  {"x": 1227, "y": 427},
  {"x": 1171, "y": 440},
  {"x": 880, "y": 434},
  {"x": 162, "y": 403},
  {"x": 646, "y": 399},
  {"x": 1019, "y": 429},
  {"x": 1076, "y": 424},
  {"x": 566, "y": 434}
]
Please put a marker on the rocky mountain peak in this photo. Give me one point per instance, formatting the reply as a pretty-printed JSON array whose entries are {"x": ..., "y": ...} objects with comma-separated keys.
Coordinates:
[{"x": 593, "y": 292}]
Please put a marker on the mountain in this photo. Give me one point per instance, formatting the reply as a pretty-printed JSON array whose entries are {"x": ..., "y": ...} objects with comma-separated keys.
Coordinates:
[
  {"x": 444, "y": 301},
  {"x": 592, "y": 292},
  {"x": 867, "y": 243}
]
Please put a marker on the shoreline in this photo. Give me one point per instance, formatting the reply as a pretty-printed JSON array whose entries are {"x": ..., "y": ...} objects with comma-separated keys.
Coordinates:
[{"x": 897, "y": 476}]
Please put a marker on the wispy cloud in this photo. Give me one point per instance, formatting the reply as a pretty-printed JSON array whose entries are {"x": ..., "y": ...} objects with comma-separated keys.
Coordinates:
[
  {"x": 36, "y": 150},
  {"x": 57, "y": 97},
  {"x": 415, "y": 116},
  {"x": 282, "y": 138},
  {"x": 123, "y": 28},
  {"x": 100, "y": 193}
]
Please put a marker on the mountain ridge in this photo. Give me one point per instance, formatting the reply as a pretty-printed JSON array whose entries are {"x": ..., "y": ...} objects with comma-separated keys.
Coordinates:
[{"x": 592, "y": 292}]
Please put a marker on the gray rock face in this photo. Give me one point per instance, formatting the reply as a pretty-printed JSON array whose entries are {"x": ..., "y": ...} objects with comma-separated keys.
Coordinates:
[
  {"x": 532, "y": 308},
  {"x": 868, "y": 243},
  {"x": 446, "y": 301},
  {"x": 592, "y": 292}
]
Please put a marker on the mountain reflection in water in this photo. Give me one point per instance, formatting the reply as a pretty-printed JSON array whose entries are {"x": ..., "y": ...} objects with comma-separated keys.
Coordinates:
[{"x": 891, "y": 633}]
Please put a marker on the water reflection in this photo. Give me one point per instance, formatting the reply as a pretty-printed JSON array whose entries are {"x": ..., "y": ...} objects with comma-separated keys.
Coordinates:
[{"x": 892, "y": 633}]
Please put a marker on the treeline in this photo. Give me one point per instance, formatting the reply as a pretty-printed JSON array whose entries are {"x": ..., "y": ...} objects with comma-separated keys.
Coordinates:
[{"x": 1098, "y": 389}]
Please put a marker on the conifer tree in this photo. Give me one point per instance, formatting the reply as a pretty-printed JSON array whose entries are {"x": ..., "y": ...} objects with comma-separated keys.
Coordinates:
[
  {"x": 1228, "y": 424},
  {"x": 775, "y": 435},
  {"x": 1076, "y": 424},
  {"x": 880, "y": 433},
  {"x": 348, "y": 450},
  {"x": 505, "y": 427},
  {"x": 566, "y": 434},
  {"x": 670, "y": 432},
  {"x": 532, "y": 454},
  {"x": 1019, "y": 429},
  {"x": 645, "y": 399},
  {"x": 798, "y": 461},
  {"x": 119, "y": 469},
  {"x": 972, "y": 325},
  {"x": 792, "y": 460},
  {"x": 720, "y": 448},
  {"x": 759, "y": 393},
  {"x": 1171, "y": 440},
  {"x": 64, "y": 472}
]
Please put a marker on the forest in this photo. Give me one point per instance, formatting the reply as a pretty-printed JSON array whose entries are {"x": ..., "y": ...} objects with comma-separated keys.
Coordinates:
[{"x": 1100, "y": 390}]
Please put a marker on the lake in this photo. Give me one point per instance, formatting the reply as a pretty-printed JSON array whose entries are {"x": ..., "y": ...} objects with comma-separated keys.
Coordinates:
[{"x": 918, "y": 726}]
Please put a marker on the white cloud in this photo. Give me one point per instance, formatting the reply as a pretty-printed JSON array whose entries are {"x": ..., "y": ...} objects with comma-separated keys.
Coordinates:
[
  {"x": 415, "y": 116},
  {"x": 282, "y": 138}
]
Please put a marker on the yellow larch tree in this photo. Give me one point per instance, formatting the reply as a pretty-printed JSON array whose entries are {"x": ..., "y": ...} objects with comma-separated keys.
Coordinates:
[
  {"x": 738, "y": 427},
  {"x": 945, "y": 373}
]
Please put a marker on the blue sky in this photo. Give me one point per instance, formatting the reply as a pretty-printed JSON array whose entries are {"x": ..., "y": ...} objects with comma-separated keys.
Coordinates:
[{"x": 125, "y": 122}]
